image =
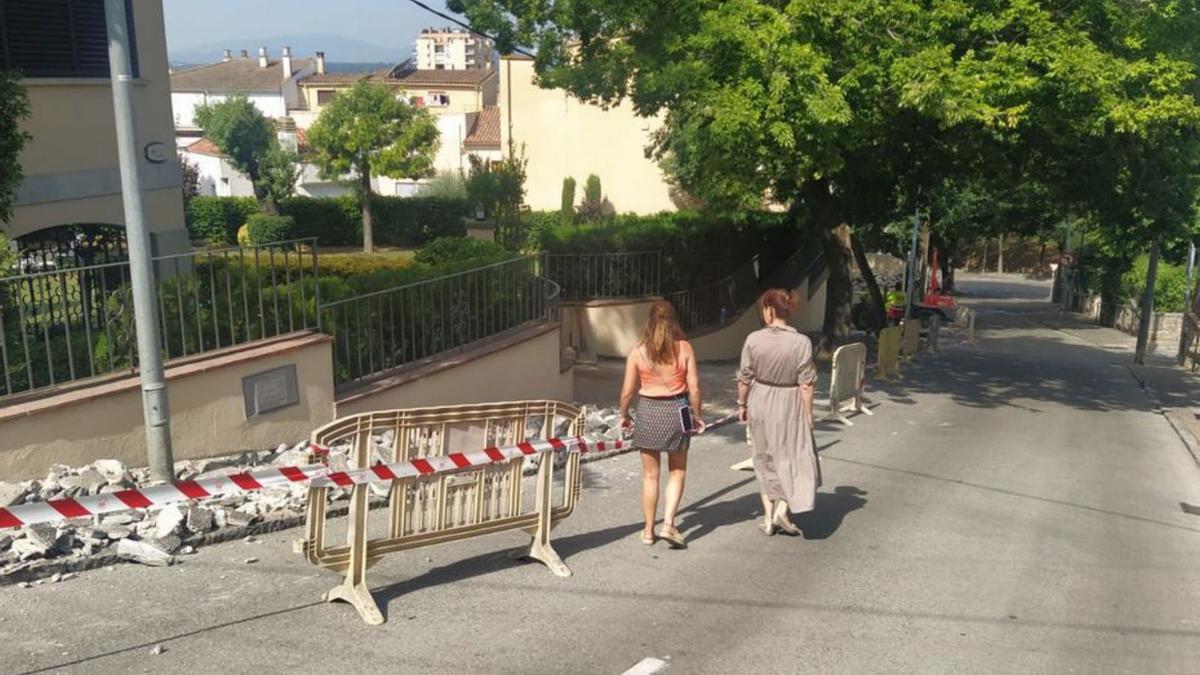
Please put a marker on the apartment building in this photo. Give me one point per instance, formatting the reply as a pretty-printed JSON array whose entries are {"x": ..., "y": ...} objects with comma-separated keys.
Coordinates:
[
  {"x": 71, "y": 175},
  {"x": 452, "y": 49}
]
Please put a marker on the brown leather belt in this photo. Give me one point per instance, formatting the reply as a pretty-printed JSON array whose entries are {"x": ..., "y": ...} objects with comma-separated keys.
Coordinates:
[{"x": 776, "y": 384}]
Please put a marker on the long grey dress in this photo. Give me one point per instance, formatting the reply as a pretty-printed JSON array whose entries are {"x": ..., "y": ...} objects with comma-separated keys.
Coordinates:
[{"x": 774, "y": 361}]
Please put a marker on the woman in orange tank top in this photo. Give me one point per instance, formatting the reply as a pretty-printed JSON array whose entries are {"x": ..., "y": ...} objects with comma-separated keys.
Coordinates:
[{"x": 661, "y": 369}]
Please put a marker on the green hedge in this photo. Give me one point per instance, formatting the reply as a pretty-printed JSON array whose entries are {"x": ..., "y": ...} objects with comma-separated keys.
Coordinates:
[
  {"x": 697, "y": 248},
  {"x": 217, "y": 219},
  {"x": 264, "y": 228},
  {"x": 455, "y": 249},
  {"x": 335, "y": 221},
  {"x": 1170, "y": 285}
]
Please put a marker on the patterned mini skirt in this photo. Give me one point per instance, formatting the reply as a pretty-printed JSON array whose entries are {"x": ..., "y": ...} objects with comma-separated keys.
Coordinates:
[{"x": 657, "y": 426}]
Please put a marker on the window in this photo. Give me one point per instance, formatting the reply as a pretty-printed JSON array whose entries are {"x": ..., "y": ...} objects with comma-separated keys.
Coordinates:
[
  {"x": 324, "y": 96},
  {"x": 439, "y": 49},
  {"x": 58, "y": 38},
  {"x": 439, "y": 99}
]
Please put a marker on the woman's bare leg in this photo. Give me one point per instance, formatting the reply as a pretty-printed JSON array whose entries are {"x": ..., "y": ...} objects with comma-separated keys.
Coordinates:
[
  {"x": 650, "y": 465},
  {"x": 677, "y": 465}
]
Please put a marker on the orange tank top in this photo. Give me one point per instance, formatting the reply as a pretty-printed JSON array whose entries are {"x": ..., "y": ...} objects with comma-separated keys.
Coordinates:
[{"x": 652, "y": 375}]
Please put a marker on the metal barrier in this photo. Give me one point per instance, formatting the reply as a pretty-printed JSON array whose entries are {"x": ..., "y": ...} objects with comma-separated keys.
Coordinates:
[
  {"x": 715, "y": 304},
  {"x": 846, "y": 386},
  {"x": 910, "y": 338},
  {"x": 377, "y": 332},
  {"x": 444, "y": 506},
  {"x": 69, "y": 324},
  {"x": 593, "y": 276},
  {"x": 888, "y": 358}
]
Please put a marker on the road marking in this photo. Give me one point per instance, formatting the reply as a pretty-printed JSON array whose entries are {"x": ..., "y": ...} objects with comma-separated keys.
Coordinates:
[{"x": 647, "y": 666}]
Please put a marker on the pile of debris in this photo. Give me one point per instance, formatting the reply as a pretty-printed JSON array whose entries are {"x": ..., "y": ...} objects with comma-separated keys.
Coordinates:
[
  {"x": 157, "y": 535},
  {"x": 154, "y": 536}
]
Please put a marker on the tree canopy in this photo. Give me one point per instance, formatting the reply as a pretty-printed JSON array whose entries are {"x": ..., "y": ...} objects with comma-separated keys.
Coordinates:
[
  {"x": 368, "y": 130},
  {"x": 860, "y": 109},
  {"x": 248, "y": 140},
  {"x": 14, "y": 107}
]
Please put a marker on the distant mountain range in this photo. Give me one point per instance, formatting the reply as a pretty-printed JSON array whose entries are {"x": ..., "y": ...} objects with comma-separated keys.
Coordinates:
[{"x": 337, "y": 49}]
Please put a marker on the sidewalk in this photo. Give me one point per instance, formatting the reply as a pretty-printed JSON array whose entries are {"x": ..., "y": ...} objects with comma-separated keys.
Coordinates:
[{"x": 1172, "y": 388}]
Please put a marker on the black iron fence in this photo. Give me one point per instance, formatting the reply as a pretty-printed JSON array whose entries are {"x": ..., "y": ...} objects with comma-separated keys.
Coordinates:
[
  {"x": 68, "y": 324},
  {"x": 377, "y": 332},
  {"x": 594, "y": 276}
]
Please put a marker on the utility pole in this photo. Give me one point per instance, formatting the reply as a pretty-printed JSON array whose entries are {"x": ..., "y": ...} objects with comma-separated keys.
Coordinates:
[
  {"x": 155, "y": 410},
  {"x": 912, "y": 263},
  {"x": 1143, "y": 334},
  {"x": 1189, "y": 298}
]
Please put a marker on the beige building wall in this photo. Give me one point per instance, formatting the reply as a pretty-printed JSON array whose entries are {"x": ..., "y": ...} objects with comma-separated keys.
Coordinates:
[
  {"x": 565, "y": 137},
  {"x": 525, "y": 366},
  {"x": 613, "y": 327},
  {"x": 207, "y": 412},
  {"x": 70, "y": 165}
]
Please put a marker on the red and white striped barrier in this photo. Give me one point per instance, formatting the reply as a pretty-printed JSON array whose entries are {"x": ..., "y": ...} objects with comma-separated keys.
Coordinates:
[{"x": 317, "y": 475}]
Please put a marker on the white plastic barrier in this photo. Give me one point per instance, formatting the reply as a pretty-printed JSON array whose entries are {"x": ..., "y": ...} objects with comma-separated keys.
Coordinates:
[{"x": 846, "y": 386}]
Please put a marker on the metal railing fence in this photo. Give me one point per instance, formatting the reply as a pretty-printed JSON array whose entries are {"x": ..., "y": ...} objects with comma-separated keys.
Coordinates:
[
  {"x": 593, "y": 276},
  {"x": 377, "y": 332},
  {"x": 69, "y": 324}
]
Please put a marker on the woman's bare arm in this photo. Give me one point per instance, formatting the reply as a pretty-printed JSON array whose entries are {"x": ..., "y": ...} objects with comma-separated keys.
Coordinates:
[
  {"x": 693, "y": 382},
  {"x": 629, "y": 385}
]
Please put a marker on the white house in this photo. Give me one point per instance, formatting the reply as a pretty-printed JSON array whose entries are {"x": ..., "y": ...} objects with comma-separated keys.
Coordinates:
[
  {"x": 271, "y": 85},
  {"x": 217, "y": 176}
]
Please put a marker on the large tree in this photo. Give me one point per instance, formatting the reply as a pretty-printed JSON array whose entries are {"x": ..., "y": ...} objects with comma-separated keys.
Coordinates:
[
  {"x": 249, "y": 142},
  {"x": 854, "y": 109},
  {"x": 367, "y": 130},
  {"x": 14, "y": 107}
]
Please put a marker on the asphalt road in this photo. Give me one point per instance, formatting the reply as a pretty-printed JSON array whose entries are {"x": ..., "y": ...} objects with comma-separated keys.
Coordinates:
[{"x": 1010, "y": 507}]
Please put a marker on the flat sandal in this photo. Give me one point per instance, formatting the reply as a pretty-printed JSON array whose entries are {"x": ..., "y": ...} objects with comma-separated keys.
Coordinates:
[{"x": 673, "y": 538}]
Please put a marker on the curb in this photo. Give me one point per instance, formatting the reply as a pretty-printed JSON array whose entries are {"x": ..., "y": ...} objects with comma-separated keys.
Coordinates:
[{"x": 1186, "y": 437}]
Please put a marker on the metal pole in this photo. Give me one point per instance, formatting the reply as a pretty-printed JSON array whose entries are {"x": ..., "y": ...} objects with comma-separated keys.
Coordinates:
[
  {"x": 154, "y": 387},
  {"x": 912, "y": 263}
]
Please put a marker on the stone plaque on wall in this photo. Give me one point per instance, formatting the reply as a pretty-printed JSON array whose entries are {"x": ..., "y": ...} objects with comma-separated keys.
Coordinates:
[{"x": 270, "y": 390}]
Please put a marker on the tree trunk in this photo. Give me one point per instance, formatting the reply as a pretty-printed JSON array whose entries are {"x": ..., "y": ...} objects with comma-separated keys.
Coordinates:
[
  {"x": 868, "y": 275},
  {"x": 364, "y": 177},
  {"x": 983, "y": 260},
  {"x": 1147, "y": 313},
  {"x": 1000, "y": 256},
  {"x": 839, "y": 290},
  {"x": 827, "y": 223}
]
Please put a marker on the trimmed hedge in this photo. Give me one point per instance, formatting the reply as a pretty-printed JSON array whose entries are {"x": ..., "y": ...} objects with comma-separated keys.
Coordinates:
[
  {"x": 335, "y": 221},
  {"x": 455, "y": 249},
  {"x": 263, "y": 228},
  {"x": 697, "y": 248}
]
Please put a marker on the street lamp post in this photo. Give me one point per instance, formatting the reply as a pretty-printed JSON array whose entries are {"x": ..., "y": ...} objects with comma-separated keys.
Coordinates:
[{"x": 155, "y": 411}]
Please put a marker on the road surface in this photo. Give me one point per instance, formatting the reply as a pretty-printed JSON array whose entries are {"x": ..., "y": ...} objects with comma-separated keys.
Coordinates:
[{"x": 1012, "y": 507}]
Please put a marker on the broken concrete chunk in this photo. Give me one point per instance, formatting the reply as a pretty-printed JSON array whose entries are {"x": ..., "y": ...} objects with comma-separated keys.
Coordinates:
[
  {"x": 168, "y": 544},
  {"x": 113, "y": 469},
  {"x": 117, "y": 531},
  {"x": 144, "y": 553},
  {"x": 29, "y": 549},
  {"x": 199, "y": 519},
  {"x": 12, "y": 494},
  {"x": 169, "y": 521},
  {"x": 91, "y": 480}
]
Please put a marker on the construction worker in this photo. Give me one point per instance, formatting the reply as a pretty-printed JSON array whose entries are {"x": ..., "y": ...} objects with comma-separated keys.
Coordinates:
[{"x": 896, "y": 301}]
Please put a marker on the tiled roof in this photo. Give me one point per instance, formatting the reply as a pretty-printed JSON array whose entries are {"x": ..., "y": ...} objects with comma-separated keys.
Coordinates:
[
  {"x": 205, "y": 147},
  {"x": 485, "y": 133},
  {"x": 237, "y": 75},
  {"x": 444, "y": 78}
]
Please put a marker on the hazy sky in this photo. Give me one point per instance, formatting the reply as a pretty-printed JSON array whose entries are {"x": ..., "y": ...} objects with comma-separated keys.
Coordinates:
[{"x": 382, "y": 22}]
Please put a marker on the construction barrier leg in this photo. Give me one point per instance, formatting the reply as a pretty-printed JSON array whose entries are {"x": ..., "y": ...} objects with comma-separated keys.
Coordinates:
[
  {"x": 354, "y": 589},
  {"x": 540, "y": 548}
]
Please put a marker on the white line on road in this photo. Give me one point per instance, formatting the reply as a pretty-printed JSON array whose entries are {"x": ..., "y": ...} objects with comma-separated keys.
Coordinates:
[{"x": 647, "y": 666}]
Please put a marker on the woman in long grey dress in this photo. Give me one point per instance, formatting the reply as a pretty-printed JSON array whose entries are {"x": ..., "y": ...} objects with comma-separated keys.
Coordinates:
[{"x": 775, "y": 395}]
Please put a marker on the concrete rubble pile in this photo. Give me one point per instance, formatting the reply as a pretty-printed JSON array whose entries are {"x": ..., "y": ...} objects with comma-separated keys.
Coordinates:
[{"x": 157, "y": 536}]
